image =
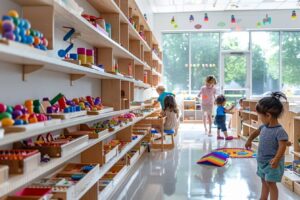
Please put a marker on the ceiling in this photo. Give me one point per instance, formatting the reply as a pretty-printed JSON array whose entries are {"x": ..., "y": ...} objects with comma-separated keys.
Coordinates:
[{"x": 163, "y": 6}]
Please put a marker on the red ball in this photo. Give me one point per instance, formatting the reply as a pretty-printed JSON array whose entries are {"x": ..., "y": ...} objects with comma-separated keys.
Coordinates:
[
  {"x": 2, "y": 107},
  {"x": 45, "y": 42}
]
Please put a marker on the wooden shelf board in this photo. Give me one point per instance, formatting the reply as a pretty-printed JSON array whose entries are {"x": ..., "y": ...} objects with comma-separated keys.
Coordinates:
[
  {"x": 249, "y": 125},
  {"x": 13, "y": 137},
  {"x": 34, "y": 2},
  {"x": 155, "y": 57},
  {"x": 154, "y": 72},
  {"x": 18, "y": 181}
]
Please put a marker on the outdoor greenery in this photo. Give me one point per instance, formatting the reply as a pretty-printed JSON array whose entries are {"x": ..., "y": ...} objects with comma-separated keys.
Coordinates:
[{"x": 205, "y": 60}]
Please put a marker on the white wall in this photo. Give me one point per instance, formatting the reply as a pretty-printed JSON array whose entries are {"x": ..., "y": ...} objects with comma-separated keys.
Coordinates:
[
  {"x": 281, "y": 19},
  {"x": 145, "y": 7}
]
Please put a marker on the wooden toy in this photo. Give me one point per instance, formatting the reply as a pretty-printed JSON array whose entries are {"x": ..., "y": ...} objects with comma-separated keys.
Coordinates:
[
  {"x": 90, "y": 56},
  {"x": 84, "y": 129},
  {"x": 20, "y": 161},
  {"x": 74, "y": 171},
  {"x": 82, "y": 55},
  {"x": 3, "y": 173},
  {"x": 32, "y": 194}
]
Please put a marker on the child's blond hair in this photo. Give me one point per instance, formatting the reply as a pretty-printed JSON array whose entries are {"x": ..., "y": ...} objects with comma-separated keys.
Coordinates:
[
  {"x": 211, "y": 79},
  {"x": 160, "y": 88}
]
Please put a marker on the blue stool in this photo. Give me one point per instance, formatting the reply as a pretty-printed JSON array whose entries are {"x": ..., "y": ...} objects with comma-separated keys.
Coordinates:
[
  {"x": 169, "y": 132},
  {"x": 154, "y": 131}
]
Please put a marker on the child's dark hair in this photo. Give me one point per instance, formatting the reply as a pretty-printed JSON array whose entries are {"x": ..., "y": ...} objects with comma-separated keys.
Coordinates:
[
  {"x": 271, "y": 105},
  {"x": 170, "y": 104},
  {"x": 220, "y": 99}
]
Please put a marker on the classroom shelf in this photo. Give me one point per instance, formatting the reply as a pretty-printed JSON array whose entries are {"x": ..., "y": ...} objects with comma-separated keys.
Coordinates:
[
  {"x": 13, "y": 137},
  {"x": 155, "y": 57},
  {"x": 154, "y": 72},
  {"x": 18, "y": 181}
]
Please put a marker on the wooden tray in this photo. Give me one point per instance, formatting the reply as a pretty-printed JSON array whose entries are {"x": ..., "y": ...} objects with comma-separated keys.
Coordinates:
[
  {"x": 83, "y": 183},
  {"x": 111, "y": 154},
  {"x": 3, "y": 173},
  {"x": 24, "y": 166},
  {"x": 84, "y": 129},
  {"x": 134, "y": 157},
  {"x": 22, "y": 128},
  {"x": 68, "y": 115},
  {"x": 98, "y": 112}
]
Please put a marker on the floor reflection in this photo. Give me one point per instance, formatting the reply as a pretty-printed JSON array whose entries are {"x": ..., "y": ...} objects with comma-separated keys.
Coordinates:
[{"x": 175, "y": 174}]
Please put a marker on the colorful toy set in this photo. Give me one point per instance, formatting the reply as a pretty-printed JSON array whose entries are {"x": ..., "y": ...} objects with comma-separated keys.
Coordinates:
[
  {"x": 237, "y": 152},
  {"x": 218, "y": 159},
  {"x": 99, "y": 23},
  {"x": 20, "y": 161},
  {"x": 15, "y": 28}
]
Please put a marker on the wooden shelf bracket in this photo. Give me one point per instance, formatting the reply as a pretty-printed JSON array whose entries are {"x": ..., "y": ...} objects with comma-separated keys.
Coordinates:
[
  {"x": 28, "y": 69},
  {"x": 75, "y": 77}
]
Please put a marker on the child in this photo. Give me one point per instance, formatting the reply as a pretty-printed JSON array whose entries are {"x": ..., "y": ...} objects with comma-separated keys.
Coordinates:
[
  {"x": 208, "y": 93},
  {"x": 171, "y": 113},
  {"x": 162, "y": 94},
  {"x": 272, "y": 144},
  {"x": 220, "y": 119}
]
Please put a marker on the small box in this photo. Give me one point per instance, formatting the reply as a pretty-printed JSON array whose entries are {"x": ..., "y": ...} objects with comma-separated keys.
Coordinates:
[
  {"x": 110, "y": 154},
  {"x": 28, "y": 160},
  {"x": 32, "y": 194},
  {"x": 288, "y": 183},
  {"x": 3, "y": 173}
]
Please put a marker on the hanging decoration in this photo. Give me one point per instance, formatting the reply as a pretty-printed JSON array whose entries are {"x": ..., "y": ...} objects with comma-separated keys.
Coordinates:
[
  {"x": 198, "y": 26},
  {"x": 258, "y": 24},
  {"x": 294, "y": 15},
  {"x": 267, "y": 20},
  {"x": 205, "y": 17},
  {"x": 173, "y": 22},
  {"x": 192, "y": 18},
  {"x": 221, "y": 24},
  {"x": 233, "y": 21}
]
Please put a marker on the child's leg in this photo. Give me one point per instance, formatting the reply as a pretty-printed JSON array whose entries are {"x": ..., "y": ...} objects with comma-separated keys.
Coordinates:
[
  {"x": 218, "y": 132},
  {"x": 273, "y": 190},
  {"x": 204, "y": 121},
  {"x": 225, "y": 134},
  {"x": 209, "y": 123},
  {"x": 264, "y": 190}
]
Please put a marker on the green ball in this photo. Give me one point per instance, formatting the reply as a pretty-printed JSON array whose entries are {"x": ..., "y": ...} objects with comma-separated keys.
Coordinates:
[
  {"x": 5, "y": 115},
  {"x": 9, "y": 109},
  {"x": 16, "y": 21}
]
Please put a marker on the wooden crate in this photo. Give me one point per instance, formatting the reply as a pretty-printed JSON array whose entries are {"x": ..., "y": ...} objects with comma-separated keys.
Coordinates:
[
  {"x": 28, "y": 164},
  {"x": 286, "y": 181},
  {"x": 3, "y": 173},
  {"x": 111, "y": 154},
  {"x": 76, "y": 168}
]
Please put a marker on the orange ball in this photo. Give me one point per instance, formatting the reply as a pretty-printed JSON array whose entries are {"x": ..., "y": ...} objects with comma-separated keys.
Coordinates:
[
  {"x": 37, "y": 40},
  {"x": 33, "y": 120}
]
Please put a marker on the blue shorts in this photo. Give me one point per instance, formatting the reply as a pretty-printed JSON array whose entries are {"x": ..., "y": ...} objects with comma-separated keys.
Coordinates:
[
  {"x": 266, "y": 172},
  {"x": 220, "y": 123}
]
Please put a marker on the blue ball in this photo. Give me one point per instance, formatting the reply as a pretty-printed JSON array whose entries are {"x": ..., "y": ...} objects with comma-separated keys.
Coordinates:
[
  {"x": 19, "y": 122},
  {"x": 21, "y": 23},
  {"x": 42, "y": 47},
  {"x": 30, "y": 39},
  {"x": 37, "y": 46},
  {"x": 18, "y": 38},
  {"x": 17, "y": 31},
  {"x": 22, "y": 32},
  {"x": 5, "y": 17},
  {"x": 27, "y": 24}
]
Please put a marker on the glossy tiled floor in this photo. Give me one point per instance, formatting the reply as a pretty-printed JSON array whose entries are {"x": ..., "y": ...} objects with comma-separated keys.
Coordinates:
[{"x": 175, "y": 175}]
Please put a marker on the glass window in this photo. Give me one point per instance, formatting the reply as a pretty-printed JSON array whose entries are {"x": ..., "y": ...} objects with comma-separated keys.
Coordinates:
[
  {"x": 176, "y": 61},
  {"x": 291, "y": 63},
  {"x": 265, "y": 62},
  {"x": 235, "y": 71},
  {"x": 238, "y": 41},
  {"x": 204, "y": 58}
]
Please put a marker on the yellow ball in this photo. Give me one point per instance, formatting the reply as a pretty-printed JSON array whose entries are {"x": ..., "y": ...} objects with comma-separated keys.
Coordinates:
[
  {"x": 13, "y": 13},
  {"x": 7, "y": 122}
]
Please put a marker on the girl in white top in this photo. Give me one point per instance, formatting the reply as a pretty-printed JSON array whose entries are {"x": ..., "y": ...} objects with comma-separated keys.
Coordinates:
[{"x": 171, "y": 113}]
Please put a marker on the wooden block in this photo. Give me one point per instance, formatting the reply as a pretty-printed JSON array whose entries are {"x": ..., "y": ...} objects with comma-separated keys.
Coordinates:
[{"x": 41, "y": 19}]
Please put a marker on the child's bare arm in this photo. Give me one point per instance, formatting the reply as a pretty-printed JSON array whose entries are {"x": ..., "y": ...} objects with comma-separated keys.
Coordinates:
[
  {"x": 280, "y": 152},
  {"x": 229, "y": 110},
  {"x": 253, "y": 135}
]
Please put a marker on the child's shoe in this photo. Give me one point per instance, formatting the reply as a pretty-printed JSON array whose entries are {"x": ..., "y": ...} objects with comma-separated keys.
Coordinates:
[
  {"x": 229, "y": 138},
  {"x": 220, "y": 138}
]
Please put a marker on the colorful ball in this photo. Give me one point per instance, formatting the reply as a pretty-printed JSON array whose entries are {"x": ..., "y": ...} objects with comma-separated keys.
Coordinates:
[
  {"x": 8, "y": 18},
  {"x": 21, "y": 23},
  {"x": 3, "y": 107},
  {"x": 27, "y": 24},
  {"x": 9, "y": 35},
  {"x": 9, "y": 109},
  {"x": 22, "y": 31},
  {"x": 5, "y": 115},
  {"x": 19, "y": 107},
  {"x": 16, "y": 114},
  {"x": 17, "y": 30},
  {"x": 45, "y": 42},
  {"x": 30, "y": 40},
  {"x": 8, "y": 26},
  {"x": 7, "y": 122},
  {"x": 19, "y": 122},
  {"x": 13, "y": 13},
  {"x": 16, "y": 21},
  {"x": 37, "y": 40},
  {"x": 18, "y": 38},
  {"x": 42, "y": 47}
]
